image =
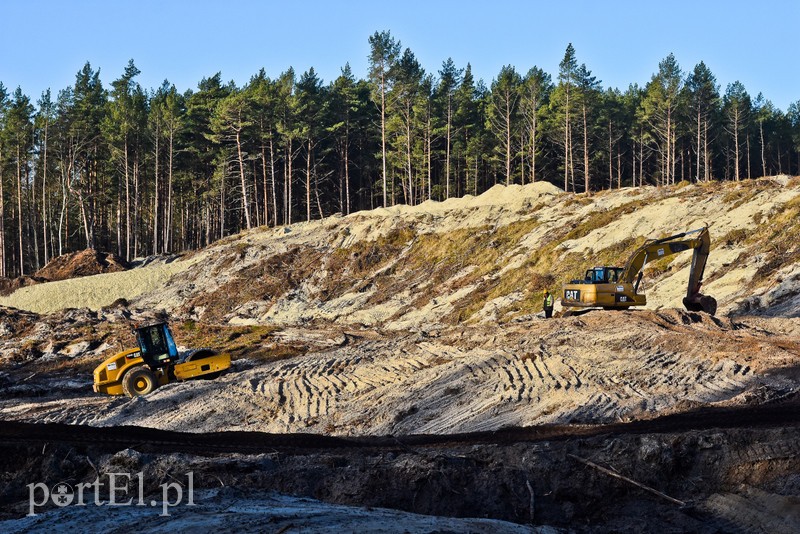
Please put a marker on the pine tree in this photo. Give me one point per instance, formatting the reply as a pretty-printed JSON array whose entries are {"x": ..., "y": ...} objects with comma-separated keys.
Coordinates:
[
  {"x": 660, "y": 111},
  {"x": 44, "y": 118},
  {"x": 384, "y": 50},
  {"x": 308, "y": 110},
  {"x": 502, "y": 114},
  {"x": 587, "y": 94},
  {"x": 407, "y": 79},
  {"x": 737, "y": 110},
  {"x": 4, "y": 104},
  {"x": 703, "y": 96},
  {"x": 122, "y": 126},
  {"x": 19, "y": 135},
  {"x": 567, "y": 80},
  {"x": 534, "y": 92},
  {"x": 449, "y": 80},
  {"x": 465, "y": 124}
]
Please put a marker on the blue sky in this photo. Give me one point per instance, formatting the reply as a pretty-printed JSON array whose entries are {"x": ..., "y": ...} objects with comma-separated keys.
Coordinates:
[{"x": 43, "y": 43}]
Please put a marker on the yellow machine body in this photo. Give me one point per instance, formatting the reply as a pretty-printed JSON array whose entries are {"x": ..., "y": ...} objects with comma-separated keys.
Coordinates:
[
  {"x": 155, "y": 363},
  {"x": 108, "y": 375},
  {"x": 618, "y": 287}
]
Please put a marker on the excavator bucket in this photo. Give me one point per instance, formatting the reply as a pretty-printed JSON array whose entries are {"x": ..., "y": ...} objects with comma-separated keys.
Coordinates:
[{"x": 698, "y": 302}]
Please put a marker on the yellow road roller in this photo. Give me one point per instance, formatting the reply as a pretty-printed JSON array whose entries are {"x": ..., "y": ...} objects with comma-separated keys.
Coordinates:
[{"x": 154, "y": 363}]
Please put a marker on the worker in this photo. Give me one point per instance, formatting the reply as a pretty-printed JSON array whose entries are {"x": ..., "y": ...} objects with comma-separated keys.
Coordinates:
[{"x": 548, "y": 304}]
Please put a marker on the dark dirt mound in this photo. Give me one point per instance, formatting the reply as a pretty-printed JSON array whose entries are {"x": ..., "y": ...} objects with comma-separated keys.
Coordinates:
[{"x": 82, "y": 263}]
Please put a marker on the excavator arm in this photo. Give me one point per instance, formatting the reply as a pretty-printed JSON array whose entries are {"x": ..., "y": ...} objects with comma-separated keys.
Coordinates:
[{"x": 652, "y": 250}]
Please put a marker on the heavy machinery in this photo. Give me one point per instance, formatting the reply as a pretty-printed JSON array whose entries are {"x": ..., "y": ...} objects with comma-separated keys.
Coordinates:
[
  {"x": 617, "y": 288},
  {"x": 154, "y": 363}
]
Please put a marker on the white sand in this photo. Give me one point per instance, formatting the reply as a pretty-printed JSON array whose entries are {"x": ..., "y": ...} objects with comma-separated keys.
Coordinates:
[{"x": 95, "y": 291}]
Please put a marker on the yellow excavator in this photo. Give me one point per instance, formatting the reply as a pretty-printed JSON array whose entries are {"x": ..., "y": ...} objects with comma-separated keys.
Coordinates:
[
  {"x": 155, "y": 362},
  {"x": 616, "y": 288}
]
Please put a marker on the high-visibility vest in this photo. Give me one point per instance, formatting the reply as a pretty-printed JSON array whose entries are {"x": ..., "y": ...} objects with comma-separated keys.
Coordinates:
[{"x": 548, "y": 301}]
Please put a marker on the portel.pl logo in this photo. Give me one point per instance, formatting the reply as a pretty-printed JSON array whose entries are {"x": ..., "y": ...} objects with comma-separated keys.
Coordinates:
[{"x": 63, "y": 494}]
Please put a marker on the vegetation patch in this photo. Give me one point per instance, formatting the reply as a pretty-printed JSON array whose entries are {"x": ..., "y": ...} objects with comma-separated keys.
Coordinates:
[
  {"x": 254, "y": 342},
  {"x": 265, "y": 280}
]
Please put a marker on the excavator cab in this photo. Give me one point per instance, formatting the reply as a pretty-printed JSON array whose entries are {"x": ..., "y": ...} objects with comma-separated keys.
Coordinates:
[{"x": 601, "y": 275}]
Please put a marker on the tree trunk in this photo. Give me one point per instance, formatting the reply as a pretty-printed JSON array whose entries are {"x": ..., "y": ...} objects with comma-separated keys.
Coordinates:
[
  {"x": 19, "y": 211},
  {"x": 347, "y": 169},
  {"x": 410, "y": 199},
  {"x": 136, "y": 198},
  {"x": 447, "y": 149},
  {"x": 127, "y": 206},
  {"x": 508, "y": 144},
  {"x": 586, "y": 177},
  {"x": 706, "y": 166},
  {"x": 429, "y": 159},
  {"x": 534, "y": 127},
  {"x": 763, "y": 155},
  {"x": 44, "y": 195},
  {"x": 264, "y": 184},
  {"x": 245, "y": 203},
  {"x": 308, "y": 181},
  {"x": 610, "y": 158},
  {"x": 274, "y": 186},
  {"x": 288, "y": 185},
  {"x": 383, "y": 132},
  {"x": 736, "y": 145},
  {"x": 747, "y": 144},
  {"x": 222, "y": 203},
  {"x": 566, "y": 143},
  {"x": 699, "y": 153},
  {"x": 168, "y": 226},
  {"x": 155, "y": 190}
]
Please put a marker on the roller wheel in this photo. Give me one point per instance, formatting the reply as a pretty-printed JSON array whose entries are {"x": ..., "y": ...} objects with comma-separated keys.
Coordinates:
[
  {"x": 200, "y": 354},
  {"x": 139, "y": 381}
]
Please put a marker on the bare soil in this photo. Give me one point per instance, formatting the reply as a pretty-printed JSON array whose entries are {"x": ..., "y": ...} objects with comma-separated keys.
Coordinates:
[{"x": 396, "y": 359}]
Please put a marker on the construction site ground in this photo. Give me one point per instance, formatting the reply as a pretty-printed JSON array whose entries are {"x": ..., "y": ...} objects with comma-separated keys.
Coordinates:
[{"x": 391, "y": 371}]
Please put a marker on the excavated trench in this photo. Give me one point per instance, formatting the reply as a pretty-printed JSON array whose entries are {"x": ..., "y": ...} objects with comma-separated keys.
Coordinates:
[{"x": 712, "y": 470}]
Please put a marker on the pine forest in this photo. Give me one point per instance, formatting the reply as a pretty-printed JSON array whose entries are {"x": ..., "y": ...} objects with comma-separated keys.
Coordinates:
[{"x": 136, "y": 171}]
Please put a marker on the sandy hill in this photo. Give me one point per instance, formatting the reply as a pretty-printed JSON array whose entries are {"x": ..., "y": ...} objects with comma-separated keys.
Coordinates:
[{"x": 472, "y": 259}]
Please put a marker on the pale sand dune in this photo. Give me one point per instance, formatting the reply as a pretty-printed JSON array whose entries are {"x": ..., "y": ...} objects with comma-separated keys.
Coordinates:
[{"x": 658, "y": 212}]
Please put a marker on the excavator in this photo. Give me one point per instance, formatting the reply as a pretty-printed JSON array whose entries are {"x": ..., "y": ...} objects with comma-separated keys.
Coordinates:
[
  {"x": 155, "y": 362},
  {"x": 617, "y": 288}
]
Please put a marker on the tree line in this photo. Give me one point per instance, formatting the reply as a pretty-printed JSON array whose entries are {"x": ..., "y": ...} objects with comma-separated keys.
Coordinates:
[{"x": 139, "y": 172}]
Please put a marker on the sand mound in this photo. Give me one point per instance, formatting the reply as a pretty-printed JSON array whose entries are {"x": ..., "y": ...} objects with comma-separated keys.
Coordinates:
[{"x": 465, "y": 259}]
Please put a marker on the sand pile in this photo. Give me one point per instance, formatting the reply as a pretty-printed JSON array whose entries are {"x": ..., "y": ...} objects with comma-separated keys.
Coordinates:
[
  {"x": 82, "y": 263},
  {"x": 468, "y": 259}
]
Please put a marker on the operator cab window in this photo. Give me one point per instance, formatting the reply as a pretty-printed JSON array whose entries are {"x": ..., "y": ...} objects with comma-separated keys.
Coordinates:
[{"x": 154, "y": 346}]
